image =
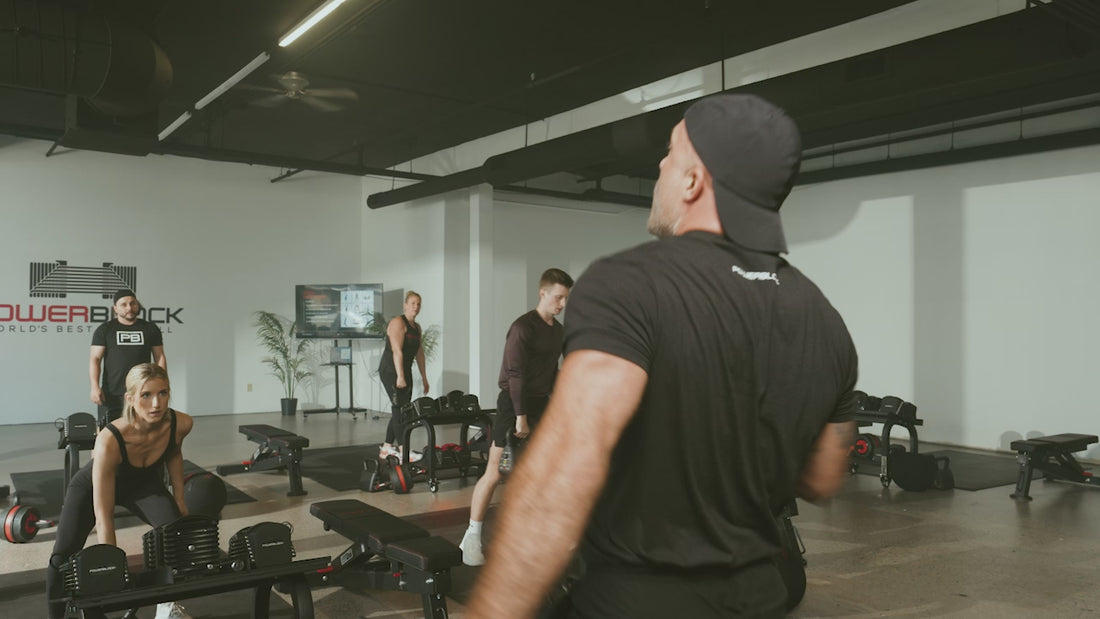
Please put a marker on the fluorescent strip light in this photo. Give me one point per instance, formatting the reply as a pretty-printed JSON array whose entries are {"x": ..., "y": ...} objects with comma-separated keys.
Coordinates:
[
  {"x": 309, "y": 22},
  {"x": 232, "y": 81},
  {"x": 172, "y": 127}
]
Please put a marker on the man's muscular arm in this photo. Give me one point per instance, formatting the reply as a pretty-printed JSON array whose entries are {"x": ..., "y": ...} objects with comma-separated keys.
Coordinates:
[
  {"x": 549, "y": 498},
  {"x": 827, "y": 465}
]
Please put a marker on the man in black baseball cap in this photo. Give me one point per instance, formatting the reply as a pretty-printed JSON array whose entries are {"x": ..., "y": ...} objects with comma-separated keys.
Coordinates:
[
  {"x": 713, "y": 382},
  {"x": 750, "y": 151},
  {"x": 118, "y": 345}
]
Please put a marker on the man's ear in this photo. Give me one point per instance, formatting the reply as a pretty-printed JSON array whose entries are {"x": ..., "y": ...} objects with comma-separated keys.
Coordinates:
[{"x": 693, "y": 183}]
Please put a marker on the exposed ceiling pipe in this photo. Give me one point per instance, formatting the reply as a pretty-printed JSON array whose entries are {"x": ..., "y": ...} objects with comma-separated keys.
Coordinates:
[
  {"x": 57, "y": 48},
  {"x": 630, "y": 137},
  {"x": 936, "y": 79},
  {"x": 282, "y": 161}
]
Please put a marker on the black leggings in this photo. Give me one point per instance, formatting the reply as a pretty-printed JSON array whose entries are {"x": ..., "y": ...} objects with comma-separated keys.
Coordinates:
[
  {"x": 398, "y": 399},
  {"x": 145, "y": 495}
]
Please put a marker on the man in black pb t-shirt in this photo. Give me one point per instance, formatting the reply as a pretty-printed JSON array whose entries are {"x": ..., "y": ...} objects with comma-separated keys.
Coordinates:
[
  {"x": 118, "y": 345},
  {"x": 711, "y": 383},
  {"x": 530, "y": 365}
]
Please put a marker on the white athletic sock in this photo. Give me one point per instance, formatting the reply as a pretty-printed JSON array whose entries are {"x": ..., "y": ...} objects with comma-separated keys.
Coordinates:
[{"x": 475, "y": 527}]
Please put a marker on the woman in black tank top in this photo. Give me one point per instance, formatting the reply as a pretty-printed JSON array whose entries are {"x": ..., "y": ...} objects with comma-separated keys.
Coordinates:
[
  {"x": 127, "y": 468},
  {"x": 395, "y": 368}
]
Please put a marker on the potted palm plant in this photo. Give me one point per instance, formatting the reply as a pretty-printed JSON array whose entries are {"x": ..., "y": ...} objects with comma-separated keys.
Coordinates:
[{"x": 286, "y": 358}]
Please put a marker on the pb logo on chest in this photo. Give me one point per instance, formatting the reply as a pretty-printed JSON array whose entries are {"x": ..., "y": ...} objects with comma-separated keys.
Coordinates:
[{"x": 130, "y": 338}]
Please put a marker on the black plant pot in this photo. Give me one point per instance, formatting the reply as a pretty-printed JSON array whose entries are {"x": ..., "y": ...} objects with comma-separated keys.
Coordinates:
[{"x": 290, "y": 406}]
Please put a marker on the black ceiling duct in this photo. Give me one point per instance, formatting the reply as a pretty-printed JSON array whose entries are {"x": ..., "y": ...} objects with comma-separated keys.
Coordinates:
[
  {"x": 109, "y": 68},
  {"x": 1010, "y": 62},
  {"x": 52, "y": 47},
  {"x": 629, "y": 138}
]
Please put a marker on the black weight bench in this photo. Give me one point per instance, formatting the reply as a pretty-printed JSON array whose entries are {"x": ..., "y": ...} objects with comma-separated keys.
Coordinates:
[
  {"x": 387, "y": 553},
  {"x": 1053, "y": 455},
  {"x": 278, "y": 448}
]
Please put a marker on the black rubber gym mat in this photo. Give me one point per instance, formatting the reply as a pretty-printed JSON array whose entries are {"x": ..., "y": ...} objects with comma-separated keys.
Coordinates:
[
  {"x": 45, "y": 489},
  {"x": 339, "y": 468},
  {"x": 977, "y": 471},
  {"x": 972, "y": 471}
]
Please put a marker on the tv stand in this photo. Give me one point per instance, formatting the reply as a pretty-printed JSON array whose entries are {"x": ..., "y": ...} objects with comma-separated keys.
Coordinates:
[{"x": 351, "y": 408}]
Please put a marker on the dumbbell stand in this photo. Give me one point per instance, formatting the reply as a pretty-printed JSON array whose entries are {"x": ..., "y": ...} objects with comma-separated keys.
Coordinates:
[
  {"x": 888, "y": 421},
  {"x": 289, "y": 578},
  {"x": 480, "y": 419}
]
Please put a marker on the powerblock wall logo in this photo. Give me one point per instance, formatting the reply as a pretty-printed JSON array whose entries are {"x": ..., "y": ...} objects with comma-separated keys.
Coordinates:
[{"x": 59, "y": 280}]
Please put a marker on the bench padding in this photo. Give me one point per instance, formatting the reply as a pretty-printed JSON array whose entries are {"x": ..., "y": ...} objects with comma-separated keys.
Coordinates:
[
  {"x": 363, "y": 523},
  {"x": 263, "y": 433},
  {"x": 429, "y": 554},
  {"x": 1064, "y": 443}
]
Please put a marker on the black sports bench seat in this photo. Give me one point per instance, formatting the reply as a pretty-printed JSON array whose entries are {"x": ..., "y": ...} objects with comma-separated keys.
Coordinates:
[
  {"x": 1053, "y": 455},
  {"x": 277, "y": 448},
  {"x": 388, "y": 553}
]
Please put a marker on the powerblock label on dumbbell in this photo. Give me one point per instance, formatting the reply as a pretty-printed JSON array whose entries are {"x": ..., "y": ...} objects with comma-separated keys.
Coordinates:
[
  {"x": 105, "y": 568},
  {"x": 347, "y": 556}
]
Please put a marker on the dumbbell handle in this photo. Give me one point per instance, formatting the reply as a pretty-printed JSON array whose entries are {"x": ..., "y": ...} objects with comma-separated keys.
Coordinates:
[{"x": 42, "y": 524}]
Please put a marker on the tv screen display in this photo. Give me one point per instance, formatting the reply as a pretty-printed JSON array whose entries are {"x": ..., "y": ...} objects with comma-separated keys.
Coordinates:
[{"x": 338, "y": 311}]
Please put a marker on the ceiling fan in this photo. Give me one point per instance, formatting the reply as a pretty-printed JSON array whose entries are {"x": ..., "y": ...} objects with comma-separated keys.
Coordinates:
[{"x": 295, "y": 86}]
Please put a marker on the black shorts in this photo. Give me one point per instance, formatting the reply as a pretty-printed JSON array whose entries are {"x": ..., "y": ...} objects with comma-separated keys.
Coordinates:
[
  {"x": 755, "y": 591},
  {"x": 505, "y": 423}
]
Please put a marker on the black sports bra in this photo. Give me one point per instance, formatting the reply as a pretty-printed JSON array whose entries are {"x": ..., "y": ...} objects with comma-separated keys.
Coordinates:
[{"x": 168, "y": 451}]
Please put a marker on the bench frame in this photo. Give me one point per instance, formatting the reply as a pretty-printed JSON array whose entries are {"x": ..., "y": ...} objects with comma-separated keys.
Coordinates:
[
  {"x": 1053, "y": 455},
  {"x": 278, "y": 448},
  {"x": 368, "y": 560}
]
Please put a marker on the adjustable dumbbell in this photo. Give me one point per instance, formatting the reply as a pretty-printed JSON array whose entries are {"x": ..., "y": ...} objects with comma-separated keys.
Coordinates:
[
  {"x": 866, "y": 446},
  {"x": 22, "y": 523}
]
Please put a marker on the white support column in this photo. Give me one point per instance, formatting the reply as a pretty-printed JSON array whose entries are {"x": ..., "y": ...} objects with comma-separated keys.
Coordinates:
[
  {"x": 482, "y": 361},
  {"x": 455, "y": 302}
]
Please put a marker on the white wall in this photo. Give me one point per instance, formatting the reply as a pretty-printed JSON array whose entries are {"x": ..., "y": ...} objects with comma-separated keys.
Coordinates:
[
  {"x": 426, "y": 245},
  {"x": 530, "y": 238},
  {"x": 969, "y": 289},
  {"x": 215, "y": 239}
]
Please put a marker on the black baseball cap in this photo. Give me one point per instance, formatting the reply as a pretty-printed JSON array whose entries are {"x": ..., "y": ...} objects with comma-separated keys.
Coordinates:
[
  {"x": 752, "y": 150},
  {"x": 122, "y": 294}
]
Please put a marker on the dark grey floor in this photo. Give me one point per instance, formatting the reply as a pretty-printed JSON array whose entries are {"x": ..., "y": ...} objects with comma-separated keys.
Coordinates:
[{"x": 872, "y": 552}]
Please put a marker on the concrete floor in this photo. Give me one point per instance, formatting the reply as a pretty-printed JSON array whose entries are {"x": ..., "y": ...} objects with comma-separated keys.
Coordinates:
[{"x": 872, "y": 552}]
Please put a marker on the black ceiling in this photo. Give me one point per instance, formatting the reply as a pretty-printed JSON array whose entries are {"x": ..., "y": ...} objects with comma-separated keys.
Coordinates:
[{"x": 431, "y": 74}]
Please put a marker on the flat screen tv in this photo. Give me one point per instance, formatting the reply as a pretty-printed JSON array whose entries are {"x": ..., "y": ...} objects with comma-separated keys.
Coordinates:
[{"x": 337, "y": 311}]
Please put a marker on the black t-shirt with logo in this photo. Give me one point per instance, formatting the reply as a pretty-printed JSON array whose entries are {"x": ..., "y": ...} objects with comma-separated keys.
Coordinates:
[
  {"x": 127, "y": 346},
  {"x": 746, "y": 362}
]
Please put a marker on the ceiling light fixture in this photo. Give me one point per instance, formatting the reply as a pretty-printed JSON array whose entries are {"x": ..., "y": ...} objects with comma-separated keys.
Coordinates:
[
  {"x": 309, "y": 22},
  {"x": 232, "y": 81},
  {"x": 214, "y": 94},
  {"x": 172, "y": 127}
]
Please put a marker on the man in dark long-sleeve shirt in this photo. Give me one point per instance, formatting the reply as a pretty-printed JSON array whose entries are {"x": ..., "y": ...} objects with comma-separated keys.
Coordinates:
[{"x": 527, "y": 373}]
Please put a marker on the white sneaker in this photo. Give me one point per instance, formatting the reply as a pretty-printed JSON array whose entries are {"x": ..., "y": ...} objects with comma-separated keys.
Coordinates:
[
  {"x": 471, "y": 549},
  {"x": 171, "y": 610},
  {"x": 385, "y": 452}
]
